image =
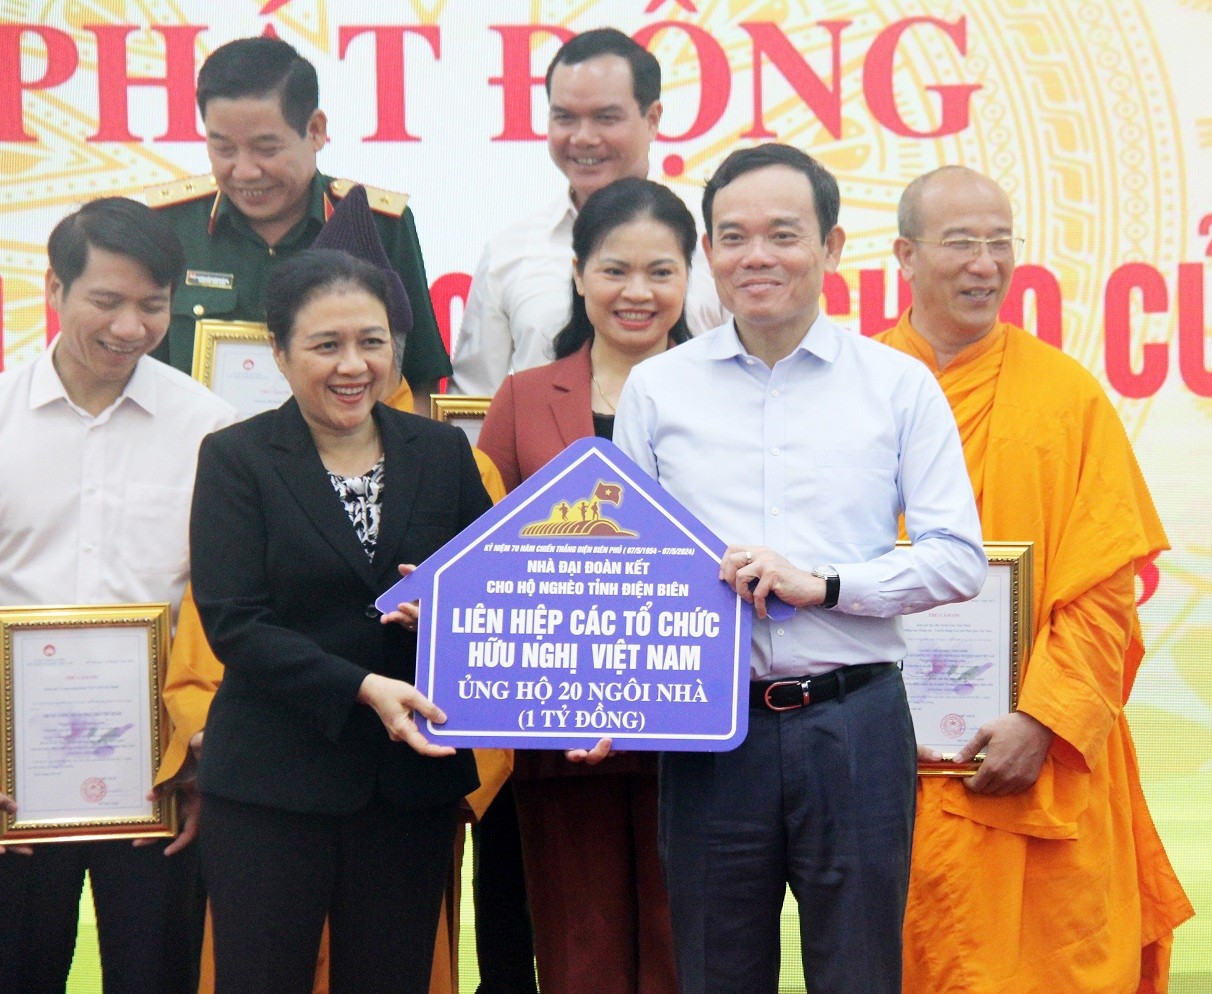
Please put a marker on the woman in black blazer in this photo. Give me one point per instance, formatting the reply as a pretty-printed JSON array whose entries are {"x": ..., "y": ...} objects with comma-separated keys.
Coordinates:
[{"x": 320, "y": 797}]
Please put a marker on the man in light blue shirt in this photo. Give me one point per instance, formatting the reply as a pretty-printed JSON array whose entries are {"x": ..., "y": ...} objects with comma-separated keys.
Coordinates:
[{"x": 802, "y": 446}]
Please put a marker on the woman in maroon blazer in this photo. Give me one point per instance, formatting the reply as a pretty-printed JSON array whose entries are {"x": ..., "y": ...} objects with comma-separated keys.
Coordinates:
[{"x": 589, "y": 833}]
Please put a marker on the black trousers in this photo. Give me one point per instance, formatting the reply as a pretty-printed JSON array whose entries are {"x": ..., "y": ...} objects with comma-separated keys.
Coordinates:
[
  {"x": 820, "y": 798},
  {"x": 141, "y": 900},
  {"x": 378, "y": 875}
]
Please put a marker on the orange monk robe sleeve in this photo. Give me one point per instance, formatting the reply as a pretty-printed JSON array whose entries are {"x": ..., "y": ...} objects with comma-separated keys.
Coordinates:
[
  {"x": 494, "y": 767},
  {"x": 401, "y": 398},
  {"x": 1065, "y": 475},
  {"x": 193, "y": 677},
  {"x": 489, "y": 476},
  {"x": 1075, "y": 681}
]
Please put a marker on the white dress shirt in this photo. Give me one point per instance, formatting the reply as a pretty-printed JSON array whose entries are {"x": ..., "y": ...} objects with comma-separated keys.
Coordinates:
[
  {"x": 815, "y": 459},
  {"x": 521, "y": 294},
  {"x": 95, "y": 510}
]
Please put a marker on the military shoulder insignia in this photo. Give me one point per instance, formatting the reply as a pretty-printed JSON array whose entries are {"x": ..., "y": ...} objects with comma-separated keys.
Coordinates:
[
  {"x": 381, "y": 201},
  {"x": 180, "y": 191}
]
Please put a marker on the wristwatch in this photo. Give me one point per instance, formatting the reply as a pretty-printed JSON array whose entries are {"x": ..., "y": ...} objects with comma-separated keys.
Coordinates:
[{"x": 833, "y": 584}]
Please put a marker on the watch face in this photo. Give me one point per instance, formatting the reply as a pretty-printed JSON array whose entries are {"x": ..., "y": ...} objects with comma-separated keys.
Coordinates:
[{"x": 832, "y": 584}]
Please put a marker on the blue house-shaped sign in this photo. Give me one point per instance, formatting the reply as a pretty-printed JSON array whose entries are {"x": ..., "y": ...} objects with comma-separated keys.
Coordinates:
[{"x": 587, "y": 604}]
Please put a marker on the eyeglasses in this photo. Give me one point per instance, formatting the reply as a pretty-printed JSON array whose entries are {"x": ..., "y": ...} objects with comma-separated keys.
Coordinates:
[{"x": 1001, "y": 249}]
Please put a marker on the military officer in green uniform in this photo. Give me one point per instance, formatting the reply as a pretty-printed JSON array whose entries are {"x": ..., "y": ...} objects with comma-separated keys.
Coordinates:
[{"x": 266, "y": 201}]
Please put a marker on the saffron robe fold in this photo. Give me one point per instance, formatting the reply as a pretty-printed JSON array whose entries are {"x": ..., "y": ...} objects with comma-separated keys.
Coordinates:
[
  {"x": 194, "y": 675},
  {"x": 1065, "y": 887}
]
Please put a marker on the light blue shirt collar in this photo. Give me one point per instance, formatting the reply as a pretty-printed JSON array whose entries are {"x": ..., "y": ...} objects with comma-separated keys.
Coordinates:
[{"x": 822, "y": 339}]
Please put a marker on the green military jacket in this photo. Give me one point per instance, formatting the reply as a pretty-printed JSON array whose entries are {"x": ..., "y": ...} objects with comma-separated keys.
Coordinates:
[{"x": 228, "y": 266}]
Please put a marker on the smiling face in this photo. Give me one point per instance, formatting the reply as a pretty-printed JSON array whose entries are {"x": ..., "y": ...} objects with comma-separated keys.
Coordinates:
[
  {"x": 767, "y": 256},
  {"x": 112, "y": 314},
  {"x": 260, "y": 162},
  {"x": 337, "y": 360},
  {"x": 956, "y": 296},
  {"x": 634, "y": 285},
  {"x": 596, "y": 132}
]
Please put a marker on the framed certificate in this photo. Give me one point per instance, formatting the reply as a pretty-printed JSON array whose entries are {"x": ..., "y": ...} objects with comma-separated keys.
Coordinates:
[
  {"x": 963, "y": 662},
  {"x": 462, "y": 412},
  {"x": 82, "y": 725},
  {"x": 235, "y": 359}
]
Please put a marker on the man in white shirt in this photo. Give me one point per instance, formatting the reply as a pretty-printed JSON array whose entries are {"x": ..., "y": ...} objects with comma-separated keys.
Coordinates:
[
  {"x": 99, "y": 443},
  {"x": 801, "y": 445},
  {"x": 604, "y": 93}
]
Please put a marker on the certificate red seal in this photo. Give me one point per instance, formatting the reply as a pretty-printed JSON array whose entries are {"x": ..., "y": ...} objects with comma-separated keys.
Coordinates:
[
  {"x": 953, "y": 726},
  {"x": 93, "y": 790}
]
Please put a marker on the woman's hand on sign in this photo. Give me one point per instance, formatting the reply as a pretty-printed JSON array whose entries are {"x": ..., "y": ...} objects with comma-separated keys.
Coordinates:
[
  {"x": 395, "y": 702},
  {"x": 408, "y": 615},
  {"x": 590, "y": 757}
]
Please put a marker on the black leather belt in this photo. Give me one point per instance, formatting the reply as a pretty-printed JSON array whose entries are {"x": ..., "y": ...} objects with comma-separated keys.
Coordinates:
[{"x": 798, "y": 692}]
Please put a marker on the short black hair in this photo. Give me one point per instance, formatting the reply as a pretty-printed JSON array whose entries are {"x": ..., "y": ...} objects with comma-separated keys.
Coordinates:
[
  {"x": 619, "y": 203},
  {"x": 645, "y": 70},
  {"x": 825, "y": 193},
  {"x": 261, "y": 67},
  {"x": 122, "y": 226},
  {"x": 311, "y": 274}
]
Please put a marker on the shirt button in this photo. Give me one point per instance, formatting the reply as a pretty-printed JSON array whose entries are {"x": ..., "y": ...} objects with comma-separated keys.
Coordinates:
[
  {"x": 855, "y": 606},
  {"x": 372, "y": 611},
  {"x": 779, "y": 630},
  {"x": 774, "y": 451},
  {"x": 199, "y": 310},
  {"x": 774, "y": 510},
  {"x": 774, "y": 393}
]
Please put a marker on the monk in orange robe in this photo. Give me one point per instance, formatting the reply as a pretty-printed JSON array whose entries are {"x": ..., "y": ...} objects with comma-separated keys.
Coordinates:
[
  {"x": 194, "y": 675},
  {"x": 1043, "y": 873}
]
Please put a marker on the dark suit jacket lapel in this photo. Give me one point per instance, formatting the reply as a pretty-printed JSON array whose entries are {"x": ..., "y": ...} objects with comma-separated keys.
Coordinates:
[
  {"x": 570, "y": 400},
  {"x": 402, "y": 478},
  {"x": 298, "y": 464}
]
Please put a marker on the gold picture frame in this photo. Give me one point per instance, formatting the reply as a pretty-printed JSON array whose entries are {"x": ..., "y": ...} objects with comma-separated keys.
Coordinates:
[
  {"x": 965, "y": 660},
  {"x": 462, "y": 412},
  {"x": 235, "y": 360},
  {"x": 82, "y": 723}
]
